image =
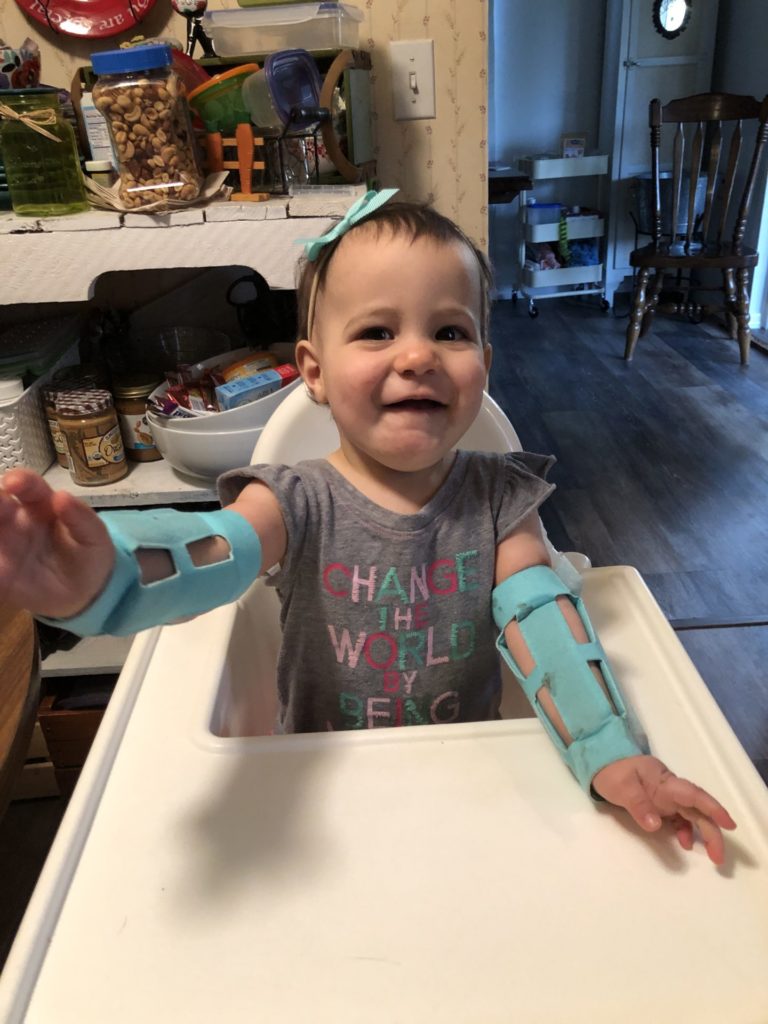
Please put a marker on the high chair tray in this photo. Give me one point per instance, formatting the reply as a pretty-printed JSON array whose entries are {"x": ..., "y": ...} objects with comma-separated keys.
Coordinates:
[{"x": 450, "y": 873}]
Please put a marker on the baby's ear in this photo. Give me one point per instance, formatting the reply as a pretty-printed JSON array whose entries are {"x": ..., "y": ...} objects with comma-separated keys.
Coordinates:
[
  {"x": 487, "y": 356},
  {"x": 309, "y": 366}
]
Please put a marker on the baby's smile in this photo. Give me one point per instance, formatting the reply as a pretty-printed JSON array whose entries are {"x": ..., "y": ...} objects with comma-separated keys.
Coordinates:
[{"x": 415, "y": 405}]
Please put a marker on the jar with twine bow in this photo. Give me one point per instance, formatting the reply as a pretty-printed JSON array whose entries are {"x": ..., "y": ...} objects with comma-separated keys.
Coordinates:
[{"x": 40, "y": 154}]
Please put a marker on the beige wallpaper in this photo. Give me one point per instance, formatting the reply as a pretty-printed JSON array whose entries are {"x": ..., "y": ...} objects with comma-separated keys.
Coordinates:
[{"x": 443, "y": 160}]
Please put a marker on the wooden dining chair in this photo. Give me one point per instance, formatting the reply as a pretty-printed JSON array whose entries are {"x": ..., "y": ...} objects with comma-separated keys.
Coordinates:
[
  {"x": 19, "y": 694},
  {"x": 708, "y": 146}
]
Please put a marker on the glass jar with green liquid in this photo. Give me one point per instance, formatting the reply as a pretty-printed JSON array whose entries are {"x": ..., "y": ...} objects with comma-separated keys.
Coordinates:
[{"x": 44, "y": 176}]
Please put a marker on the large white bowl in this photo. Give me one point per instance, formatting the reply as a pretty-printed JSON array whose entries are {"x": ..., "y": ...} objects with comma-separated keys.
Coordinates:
[
  {"x": 250, "y": 415},
  {"x": 204, "y": 454}
]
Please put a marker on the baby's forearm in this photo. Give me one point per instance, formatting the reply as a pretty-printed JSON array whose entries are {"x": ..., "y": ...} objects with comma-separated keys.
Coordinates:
[
  {"x": 520, "y": 652},
  {"x": 156, "y": 563}
]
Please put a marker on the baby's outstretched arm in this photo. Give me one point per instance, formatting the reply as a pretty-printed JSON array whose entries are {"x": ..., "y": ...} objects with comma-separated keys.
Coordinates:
[
  {"x": 55, "y": 552},
  {"x": 617, "y": 770},
  {"x": 62, "y": 561}
]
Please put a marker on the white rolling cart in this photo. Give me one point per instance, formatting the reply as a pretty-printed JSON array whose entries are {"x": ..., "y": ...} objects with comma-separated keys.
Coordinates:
[{"x": 577, "y": 280}]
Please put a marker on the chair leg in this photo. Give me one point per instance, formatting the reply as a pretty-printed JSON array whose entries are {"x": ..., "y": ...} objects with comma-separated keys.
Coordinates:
[
  {"x": 637, "y": 312},
  {"x": 729, "y": 287},
  {"x": 742, "y": 313},
  {"x": 653, "y": 301}
]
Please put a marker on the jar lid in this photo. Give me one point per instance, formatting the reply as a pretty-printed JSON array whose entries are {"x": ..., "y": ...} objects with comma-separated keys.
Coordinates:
[
  {"x": 38, "y": 98},
  {"x": 83, "y": 402},
  {"x": 54, "y": 389},
  {"x": 134, "y": 58},
  {"x": 136, "y": 385}
]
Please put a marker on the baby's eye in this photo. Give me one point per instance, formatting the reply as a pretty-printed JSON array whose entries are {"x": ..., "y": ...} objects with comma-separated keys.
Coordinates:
[
  {"x": 375, "y": 334},
  {"x": 451, "y": 332}
]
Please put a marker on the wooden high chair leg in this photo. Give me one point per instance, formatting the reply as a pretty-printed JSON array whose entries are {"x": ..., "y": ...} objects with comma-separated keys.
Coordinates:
[{"x": 639, "y": 305}]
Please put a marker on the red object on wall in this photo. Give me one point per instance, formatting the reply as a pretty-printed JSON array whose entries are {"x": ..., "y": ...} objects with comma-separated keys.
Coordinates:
[{"x": 94, "y": 18}]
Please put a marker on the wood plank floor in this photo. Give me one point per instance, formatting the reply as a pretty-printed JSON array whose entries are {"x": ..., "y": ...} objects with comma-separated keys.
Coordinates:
[{"x": 662, "y": 464}]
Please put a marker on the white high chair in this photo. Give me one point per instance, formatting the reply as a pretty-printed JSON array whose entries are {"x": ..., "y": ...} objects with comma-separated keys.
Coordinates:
[
  {"x": 301, "y": 429},
  {"x": 207, "y": 871}
]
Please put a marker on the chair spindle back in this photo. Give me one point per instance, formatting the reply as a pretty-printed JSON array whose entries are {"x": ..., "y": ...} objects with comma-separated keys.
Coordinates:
[{"x": 700, "y": 122}]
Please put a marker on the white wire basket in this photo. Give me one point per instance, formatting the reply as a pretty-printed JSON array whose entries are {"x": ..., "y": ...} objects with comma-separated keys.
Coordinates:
[{"x": 25, "y": 439}]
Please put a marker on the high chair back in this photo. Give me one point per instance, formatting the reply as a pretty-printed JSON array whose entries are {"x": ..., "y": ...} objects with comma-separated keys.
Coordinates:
[{"x": 300, "y": 429}]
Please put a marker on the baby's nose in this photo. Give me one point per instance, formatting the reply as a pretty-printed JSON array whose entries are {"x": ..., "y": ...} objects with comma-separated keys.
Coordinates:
[{"x": 416, "y": 354}]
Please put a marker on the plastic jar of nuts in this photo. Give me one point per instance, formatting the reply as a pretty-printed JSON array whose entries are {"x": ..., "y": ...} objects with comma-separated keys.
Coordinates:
[{"x": 144, "y": 103}]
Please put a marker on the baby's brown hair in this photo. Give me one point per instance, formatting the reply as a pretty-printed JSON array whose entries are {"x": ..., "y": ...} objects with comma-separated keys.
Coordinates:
[{"x": 415, "y": 220}]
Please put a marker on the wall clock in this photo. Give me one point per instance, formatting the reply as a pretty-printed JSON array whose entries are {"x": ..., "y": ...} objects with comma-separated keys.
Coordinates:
[
  {"x": 671, "y": 17},
  {"x": 94, "y": 18}
]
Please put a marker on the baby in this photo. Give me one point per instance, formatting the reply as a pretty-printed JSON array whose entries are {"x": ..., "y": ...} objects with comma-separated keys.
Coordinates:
[{"x": 393, "y": 556}]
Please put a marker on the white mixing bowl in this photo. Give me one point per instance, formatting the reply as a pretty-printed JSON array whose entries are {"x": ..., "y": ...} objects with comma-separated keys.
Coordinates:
[{"x": 204, "y": 453}]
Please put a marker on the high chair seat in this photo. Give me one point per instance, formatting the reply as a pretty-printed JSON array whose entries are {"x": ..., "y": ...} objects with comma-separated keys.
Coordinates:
[
  {"x": 301, "y": 429},
  {"x": 207, "y": 871}
]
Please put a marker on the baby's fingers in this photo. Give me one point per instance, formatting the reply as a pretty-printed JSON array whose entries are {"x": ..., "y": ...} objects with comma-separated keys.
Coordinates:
[
  {"x": 80, "y": 521},
  {"x": 684, "y": 796},
  {"x": 638, "y": 804},
  {"x": 683, "y": 831},
  {"x": 711, "y": 836},
  {"x": 29, "y": 490}
]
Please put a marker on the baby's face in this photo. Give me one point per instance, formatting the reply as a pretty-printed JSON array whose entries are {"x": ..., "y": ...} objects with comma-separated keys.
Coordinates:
[{"x": 396, "y": 349}]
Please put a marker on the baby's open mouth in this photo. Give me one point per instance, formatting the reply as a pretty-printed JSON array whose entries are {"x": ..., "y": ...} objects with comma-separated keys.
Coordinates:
[{"x": 417, "y": 404}]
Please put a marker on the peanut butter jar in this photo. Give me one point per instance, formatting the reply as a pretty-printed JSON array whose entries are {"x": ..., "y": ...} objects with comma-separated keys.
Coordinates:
[
  {"x": 131, "y": 394},
  {"x": 88, "y": 423},
  {"x": 70, "y": 378}
]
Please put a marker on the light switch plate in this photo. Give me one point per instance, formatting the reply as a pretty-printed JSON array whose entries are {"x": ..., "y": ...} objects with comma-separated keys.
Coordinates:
[{"x": 413, "y": 78}]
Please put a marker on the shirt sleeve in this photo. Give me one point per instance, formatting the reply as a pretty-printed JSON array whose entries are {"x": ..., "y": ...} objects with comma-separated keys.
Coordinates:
[{"x": 524, "y": 488}]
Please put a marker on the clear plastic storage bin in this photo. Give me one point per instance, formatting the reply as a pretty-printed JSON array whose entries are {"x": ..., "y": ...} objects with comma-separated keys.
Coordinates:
[
  {"x": 544, "y": 213},
  {"x": 323, "y": 26}
]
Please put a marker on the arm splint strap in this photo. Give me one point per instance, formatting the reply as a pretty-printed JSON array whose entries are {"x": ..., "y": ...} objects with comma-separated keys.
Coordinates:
[
  {"x": 563, "y": 666},
  {"x": 126, "y": 605}
]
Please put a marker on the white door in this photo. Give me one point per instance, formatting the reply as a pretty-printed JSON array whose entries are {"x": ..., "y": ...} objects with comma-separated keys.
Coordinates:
[{"x": 640, "y": 65}]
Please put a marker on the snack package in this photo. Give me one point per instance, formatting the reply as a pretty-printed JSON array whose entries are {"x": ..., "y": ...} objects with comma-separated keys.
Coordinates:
[
  {"x": 247, "y": 389},
  {"x": 253, "y": 363},
  {"x": 288, "y": 373}
]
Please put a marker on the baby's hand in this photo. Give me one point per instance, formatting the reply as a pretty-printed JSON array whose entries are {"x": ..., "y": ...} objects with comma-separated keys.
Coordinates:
[
  {"x": 650, "y": 792},
  {"x": 55, "y": 552}
]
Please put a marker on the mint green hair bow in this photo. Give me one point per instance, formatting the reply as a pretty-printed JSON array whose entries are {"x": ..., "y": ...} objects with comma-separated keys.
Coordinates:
[{"x": 359, "y": 210}]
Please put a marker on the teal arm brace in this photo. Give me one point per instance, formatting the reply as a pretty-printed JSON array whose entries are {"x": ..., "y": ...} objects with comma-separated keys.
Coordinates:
[
  {"x": 126, "y": 605},
  {"x": 600, "y": 735}
]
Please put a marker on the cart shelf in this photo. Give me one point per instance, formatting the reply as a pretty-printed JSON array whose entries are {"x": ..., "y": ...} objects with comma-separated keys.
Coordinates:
[{"x": 577, "y": 280}]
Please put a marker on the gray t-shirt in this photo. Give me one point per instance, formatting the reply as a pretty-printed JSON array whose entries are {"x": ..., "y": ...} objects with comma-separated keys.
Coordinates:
[{"x": 386, "y": 617}]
